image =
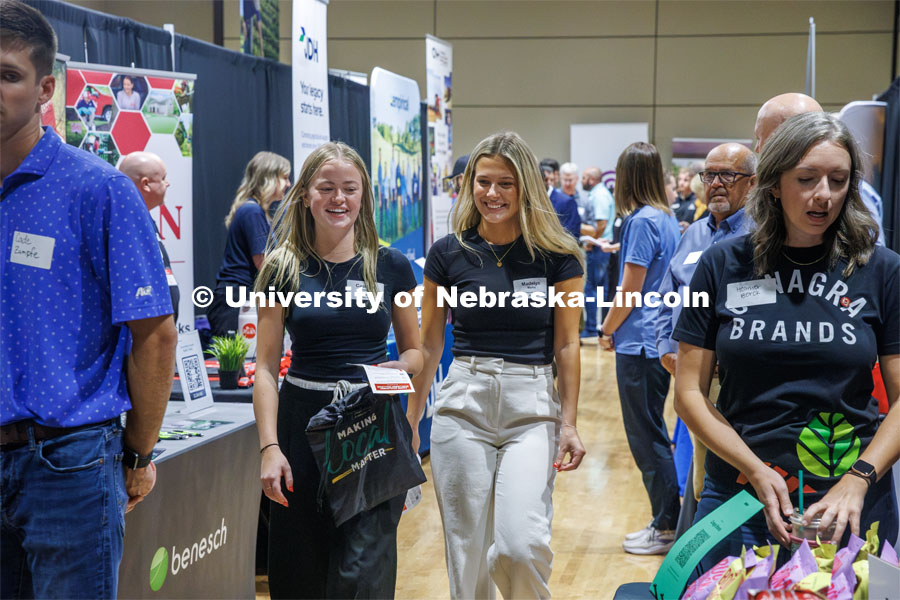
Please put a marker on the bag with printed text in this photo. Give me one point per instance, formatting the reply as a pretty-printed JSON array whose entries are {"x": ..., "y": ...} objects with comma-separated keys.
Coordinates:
[{"x": 361, "y": 442}]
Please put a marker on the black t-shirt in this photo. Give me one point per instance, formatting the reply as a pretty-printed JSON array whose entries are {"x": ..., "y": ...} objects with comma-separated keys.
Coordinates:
[
  {"x": 796, "y": 374},
  {"x": 247, "y": 237},
  {"x": 327, "y": 340},
  {"x": 685, "y": 208},
  {"x": 521, "y": 335}
]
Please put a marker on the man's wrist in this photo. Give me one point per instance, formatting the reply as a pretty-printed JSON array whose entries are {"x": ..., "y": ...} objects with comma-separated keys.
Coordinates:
[{"x": 132, "y": 460}]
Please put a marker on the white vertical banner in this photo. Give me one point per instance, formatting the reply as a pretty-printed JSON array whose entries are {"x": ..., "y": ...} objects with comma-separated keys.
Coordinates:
[
  {"x": 600, "y": 144},
  {"x": 309, "y": 63},
  {"x": 438, "y": 96}
]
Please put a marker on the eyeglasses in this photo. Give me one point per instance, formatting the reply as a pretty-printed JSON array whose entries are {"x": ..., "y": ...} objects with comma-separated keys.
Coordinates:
[{"x": 726, "y": 177}]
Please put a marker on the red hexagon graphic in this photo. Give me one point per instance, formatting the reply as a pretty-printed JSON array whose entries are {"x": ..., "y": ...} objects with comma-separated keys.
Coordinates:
[
  {"x": 97, "y": 78},
  {"x": 130, "y": 132},
  {"x": 74, "y": 86},
  {"x": 161, "y": 83}
]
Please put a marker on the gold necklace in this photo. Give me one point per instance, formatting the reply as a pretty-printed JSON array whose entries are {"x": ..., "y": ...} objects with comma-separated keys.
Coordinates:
[
  {"x": 800, "y": 264},
  {"x": 500, "y": 259}
]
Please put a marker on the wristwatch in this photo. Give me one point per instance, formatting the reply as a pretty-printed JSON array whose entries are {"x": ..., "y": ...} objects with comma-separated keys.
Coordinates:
[
  {"x": 865, "y": 471},
  {"x": 133, "y": 460}
]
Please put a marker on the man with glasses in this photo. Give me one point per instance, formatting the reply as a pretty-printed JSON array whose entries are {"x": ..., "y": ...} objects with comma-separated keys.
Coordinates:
[{"x": 729, "y": 175}]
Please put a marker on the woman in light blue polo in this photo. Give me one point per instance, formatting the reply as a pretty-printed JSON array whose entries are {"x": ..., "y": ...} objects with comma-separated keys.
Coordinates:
[{"x": 649, "y": 236}]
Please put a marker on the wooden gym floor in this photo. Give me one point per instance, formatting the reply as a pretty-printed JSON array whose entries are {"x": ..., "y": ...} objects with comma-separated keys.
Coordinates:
[{"x": 594, "y": 507}]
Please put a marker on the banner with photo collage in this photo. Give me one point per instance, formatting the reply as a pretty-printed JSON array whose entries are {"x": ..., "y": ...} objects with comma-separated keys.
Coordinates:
[
  {"x": 309, "y": 74},
  {"x": 396, "y": 168},
  {"x": 113, "y": 111},
  {"x": 438, "y": 97}
]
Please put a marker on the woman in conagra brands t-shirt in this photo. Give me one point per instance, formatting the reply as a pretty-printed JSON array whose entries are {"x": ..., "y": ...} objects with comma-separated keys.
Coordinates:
[{"x": 799, "y": 312}]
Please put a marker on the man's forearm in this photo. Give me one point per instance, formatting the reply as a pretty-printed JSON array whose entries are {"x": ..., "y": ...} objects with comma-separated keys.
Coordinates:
[{"x": 150, "y": 368}]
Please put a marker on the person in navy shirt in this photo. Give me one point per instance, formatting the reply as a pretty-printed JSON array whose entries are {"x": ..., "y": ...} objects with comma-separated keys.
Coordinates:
[
  {"x": 799, "y": 311},
  {"x": 266, "y": 179},
  {"x": 729, "y": 175},
  {"x": 83, "y": 293},
  {"x": 649, "y": 236},
  {"x": 566, "y": 208},
  {"x": 326, "y": 241},
  {"x": 501, "y": 432}
]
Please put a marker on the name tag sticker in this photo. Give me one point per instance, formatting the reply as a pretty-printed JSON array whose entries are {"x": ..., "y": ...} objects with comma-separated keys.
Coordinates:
[
  {"x": 529, "y": 286},
  {"x": 170, "y": 277},
  {"x": 32, "y": 250},
  {"x": 355, "y": 284},
  {"x": 750, "y": 293},
  {"x": 693, "y": 257}
]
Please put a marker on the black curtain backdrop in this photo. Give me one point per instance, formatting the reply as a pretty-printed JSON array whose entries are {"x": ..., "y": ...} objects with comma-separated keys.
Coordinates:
[
  {"x": 242, "y": 105},
  {"x": 348, "y": 115},
  {"x": 890, "y": 174},
  {"x": 108, "y": 40}
]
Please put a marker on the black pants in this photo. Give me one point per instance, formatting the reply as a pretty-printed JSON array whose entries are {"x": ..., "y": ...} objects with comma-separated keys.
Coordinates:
[
  {"x": 223, "y": 319},
  {"x": 308, "y": 556}
]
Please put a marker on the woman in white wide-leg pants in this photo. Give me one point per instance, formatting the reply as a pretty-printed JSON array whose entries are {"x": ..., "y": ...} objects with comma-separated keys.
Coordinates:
[{"x": 501, "y": 431}]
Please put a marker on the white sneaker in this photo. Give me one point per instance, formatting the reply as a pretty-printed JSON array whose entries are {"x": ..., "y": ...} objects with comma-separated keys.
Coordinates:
[
  {"x": 653, "y": 541},
  {"x": 638, "y": 534}
]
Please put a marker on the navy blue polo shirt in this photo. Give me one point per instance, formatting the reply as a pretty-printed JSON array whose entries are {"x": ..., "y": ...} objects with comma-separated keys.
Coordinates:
[{"x": 79, "y": 260}]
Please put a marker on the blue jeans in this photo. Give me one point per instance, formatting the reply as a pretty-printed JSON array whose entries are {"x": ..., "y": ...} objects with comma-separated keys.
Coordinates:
[
  {"x": 63, "y": 515},
  {"x": 643, "y": 386},
  {"x": 880, "y": 505},
  {"x": 596, "y": 264}
]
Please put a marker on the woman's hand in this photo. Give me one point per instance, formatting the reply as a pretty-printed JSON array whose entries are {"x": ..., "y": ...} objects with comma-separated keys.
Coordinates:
[
  {"x": 773, "y": 493},
  {"x": 842, "y": 505},
  {"x": 275, "y": 466},
  {"x": 394, "y": 364},
  {"x": 569, "y": 443}
]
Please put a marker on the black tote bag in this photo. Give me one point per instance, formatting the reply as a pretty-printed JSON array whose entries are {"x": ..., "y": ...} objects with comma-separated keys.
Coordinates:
[{"x": 362, "y": 445}]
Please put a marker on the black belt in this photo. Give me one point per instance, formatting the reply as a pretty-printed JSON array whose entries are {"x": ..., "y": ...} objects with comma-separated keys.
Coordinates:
[{"x": 15, "y": 435}]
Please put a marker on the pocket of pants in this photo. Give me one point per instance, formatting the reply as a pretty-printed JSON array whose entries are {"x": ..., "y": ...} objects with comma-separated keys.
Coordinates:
[{"x": 74, "y": 452}]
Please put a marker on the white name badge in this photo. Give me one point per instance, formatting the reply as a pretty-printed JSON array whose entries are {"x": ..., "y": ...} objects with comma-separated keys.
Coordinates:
[
  {"x": 170, "y": 277},
  {"x": 750, "y": 293},
  {"x": 32, "y": 250},
  {"x": 618, "y": 222},
  {"x": 693, "y": 257},
  {"x": 529, "y": 286},
  {"x": 355, "y": 284}
]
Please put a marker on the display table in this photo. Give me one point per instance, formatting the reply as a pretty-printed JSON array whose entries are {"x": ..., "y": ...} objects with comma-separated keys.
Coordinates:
[
  {"x": 194, "y": 535},
  {"x": 219, "y": 395}
]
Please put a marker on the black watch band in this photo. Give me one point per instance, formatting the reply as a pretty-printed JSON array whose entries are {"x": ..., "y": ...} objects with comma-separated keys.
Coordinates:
[
  {"x": 133, "y": 460},
  {"x": 865, "y": 471}
]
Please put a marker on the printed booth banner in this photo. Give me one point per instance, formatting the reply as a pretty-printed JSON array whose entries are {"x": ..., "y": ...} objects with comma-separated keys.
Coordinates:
[
  {"x": 113, "y": 111},
  {"x": 439, "y": 99},
  {"x": 396, "y": 169},
  {"x": 309, "y": 74}
]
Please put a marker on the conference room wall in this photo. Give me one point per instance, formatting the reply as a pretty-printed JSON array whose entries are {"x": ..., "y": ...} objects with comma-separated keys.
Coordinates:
[{"x": 689, "y": 68}]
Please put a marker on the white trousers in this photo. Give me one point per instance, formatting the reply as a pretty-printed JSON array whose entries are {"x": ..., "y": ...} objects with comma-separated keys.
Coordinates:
[{"x": 494, "y": 440}]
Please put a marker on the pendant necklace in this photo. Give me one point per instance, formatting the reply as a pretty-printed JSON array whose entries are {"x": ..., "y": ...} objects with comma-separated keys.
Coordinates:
[{"x": 500, "y": 259}]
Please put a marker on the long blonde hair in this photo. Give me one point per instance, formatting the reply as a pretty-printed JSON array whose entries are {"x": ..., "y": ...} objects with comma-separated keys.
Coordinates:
[
  {"x": 640, "y": 180},
  {"x": 260, "y": 181},
  {"x": 541, "y": 229},
  {"x": 292, "y": 244}
]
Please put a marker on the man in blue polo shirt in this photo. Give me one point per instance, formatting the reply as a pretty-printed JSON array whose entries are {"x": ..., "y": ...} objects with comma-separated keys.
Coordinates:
[
  {"x": 83, "y": 291},
  {"x": 729, "y": 175}
]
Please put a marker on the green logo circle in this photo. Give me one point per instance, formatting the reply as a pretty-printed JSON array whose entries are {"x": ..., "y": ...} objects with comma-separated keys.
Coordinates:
[{"x": 158, "y": 569}]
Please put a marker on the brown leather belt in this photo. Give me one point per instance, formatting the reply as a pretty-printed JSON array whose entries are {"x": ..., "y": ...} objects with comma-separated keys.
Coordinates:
[{"x": 15, "y": 434}]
